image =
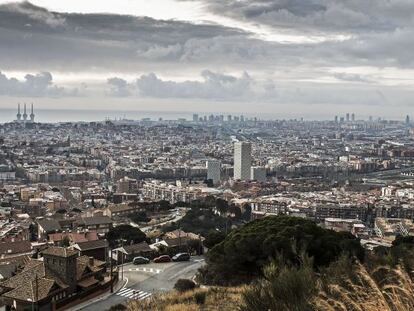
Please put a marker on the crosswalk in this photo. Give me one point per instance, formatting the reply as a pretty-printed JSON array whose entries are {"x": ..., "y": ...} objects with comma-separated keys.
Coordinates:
[
  {"x": 150, "y": 270},
  {"x": 131, "y": 293}
]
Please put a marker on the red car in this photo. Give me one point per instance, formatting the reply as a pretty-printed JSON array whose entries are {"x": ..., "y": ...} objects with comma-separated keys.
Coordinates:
[{"x": 163, "y": 258}]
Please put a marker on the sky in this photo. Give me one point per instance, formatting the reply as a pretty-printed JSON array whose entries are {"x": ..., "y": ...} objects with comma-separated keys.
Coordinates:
[{"x": 312, "y": 58}]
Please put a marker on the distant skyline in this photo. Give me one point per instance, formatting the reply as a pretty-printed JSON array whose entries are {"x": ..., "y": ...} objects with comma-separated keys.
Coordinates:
[{"x": 312, "y": 58}]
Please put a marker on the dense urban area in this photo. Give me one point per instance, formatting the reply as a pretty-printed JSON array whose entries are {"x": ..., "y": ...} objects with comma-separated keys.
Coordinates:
[{"x": 95, "y": 215}]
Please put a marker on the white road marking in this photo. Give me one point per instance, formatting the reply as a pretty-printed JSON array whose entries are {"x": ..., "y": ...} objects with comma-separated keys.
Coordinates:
[
  {"x": 131, "y": 293},
  {"x": 150, "y": 270}
]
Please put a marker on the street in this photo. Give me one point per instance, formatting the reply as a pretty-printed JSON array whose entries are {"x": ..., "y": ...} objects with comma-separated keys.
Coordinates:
[{"x": 144, "y": 280}]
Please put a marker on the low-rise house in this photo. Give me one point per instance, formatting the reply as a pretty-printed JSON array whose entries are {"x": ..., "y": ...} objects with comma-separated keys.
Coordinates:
[
  {"x": 12, "y": 249},
  {"x": 47, "y": 226},
  {"x": 97, "y": 249},
  {"x": 72, "y": 237},
  {"x": 128, "y": 252},
  {"x": 102, "y": 224},
  {"x": 53, "y": 282}
]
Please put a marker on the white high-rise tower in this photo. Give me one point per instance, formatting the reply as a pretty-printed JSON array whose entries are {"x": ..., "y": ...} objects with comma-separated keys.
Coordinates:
[{"x": 242, "y": 160}]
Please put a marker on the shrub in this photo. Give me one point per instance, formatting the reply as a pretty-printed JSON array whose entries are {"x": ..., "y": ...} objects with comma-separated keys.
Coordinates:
[
  {"x": 183, "y": 285},
  {"x": 200, "y": 298},
  {"x": 241, "y": 256}
]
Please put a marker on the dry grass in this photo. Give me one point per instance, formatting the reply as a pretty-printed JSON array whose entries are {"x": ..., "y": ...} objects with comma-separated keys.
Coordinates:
[
  {"x": 382, "y": 289},
  {"x": 212, "y": 299}
]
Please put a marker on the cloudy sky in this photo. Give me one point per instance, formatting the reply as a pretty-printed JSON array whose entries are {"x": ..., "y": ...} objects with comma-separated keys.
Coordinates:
[{"x": 287, "y": 58}]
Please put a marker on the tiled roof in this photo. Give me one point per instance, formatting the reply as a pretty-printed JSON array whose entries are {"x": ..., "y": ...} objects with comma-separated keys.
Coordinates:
[
  {"x": 49, "y": 225},
  {"x": 19, "y": 247},
  {"x": 59, "y": 252},
  {"x": 95, "y": 220},
  {"x": 92, "y": 245},
  {"x": 83, "y": 265},
  {"x": 136, "y": 248},
  {"x": 33, "y": 290}
]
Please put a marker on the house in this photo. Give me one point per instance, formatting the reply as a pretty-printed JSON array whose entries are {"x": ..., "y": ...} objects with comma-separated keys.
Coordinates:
[
  {"x": 97, "y": 249},
  {"x": 101, "y": 224},
  {"x": 121, "y": 210},
  {"x": 57, "y": 280},
  {"x": 12, "y": 249},
  {"x": 72, "y": 237},
  {"x": 47, "y": 226},
  {"x": 180, "y": 233},
  {"x": 130, "y": 251}
]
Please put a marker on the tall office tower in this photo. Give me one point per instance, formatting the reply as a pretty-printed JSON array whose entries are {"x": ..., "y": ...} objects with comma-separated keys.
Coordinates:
[
  {"x": 370, "y": 118},
  {"x": 32, "y": 115},
  {"x": 24, "y": 114},
  {"x": 336, "y": 119},
  {"x": 258, "y": 173},
  {"x": 353, "y": 117},
  {"x": 347, "y": 117},
  {"x": 229, "y": 118},
  {"x": 341, "y": 120},
  {"x": 241, "y": 118},
  {"x": 407, "y": 119},
  {"x": 221, "y": 118},
  {"x": 214, "y": 171},
  {"x": 19, "y": 115},
  {"x": 195, "y": 117},
  {"x": 242, "y": 160}
]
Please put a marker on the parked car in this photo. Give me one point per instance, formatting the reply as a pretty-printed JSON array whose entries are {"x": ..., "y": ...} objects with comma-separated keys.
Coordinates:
[
  {"x": 181, "y": 257},
  {"x": 140, "y": 260},
  {"x": 163, "y": 258}
]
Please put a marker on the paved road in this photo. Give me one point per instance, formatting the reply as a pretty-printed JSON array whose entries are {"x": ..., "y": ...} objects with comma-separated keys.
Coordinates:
[{"x": 144, "y": 280}]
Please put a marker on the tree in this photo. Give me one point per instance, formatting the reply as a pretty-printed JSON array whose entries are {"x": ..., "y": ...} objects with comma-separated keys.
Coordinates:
[
  {"x": 247, "y": 212},
  {"x": 222, "y": 206},
  {"x": 245, "y": 251},
  {"x": 65, "y": 241},
  {"x": 213, "y": 238},
  {"x": 129, "y": 234},
  {"x": 140, "y": 217}
]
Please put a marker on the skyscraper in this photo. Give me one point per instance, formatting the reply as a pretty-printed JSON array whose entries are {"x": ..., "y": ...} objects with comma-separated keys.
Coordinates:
[
  {"x": 214, "y": 171},
  {"x": 353, "y": 117},
  {"x": 242, "y": 160},
  {"x": 195, "y": 117},
  {"x": 347, "y": 117},
  {"x": 407, "y": 119},
  {"x": 258, "y": 174}
]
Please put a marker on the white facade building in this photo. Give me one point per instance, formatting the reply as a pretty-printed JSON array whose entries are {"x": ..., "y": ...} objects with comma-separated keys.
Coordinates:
[
  {"x": 242, "y": 160},
  {"x": 214, "y": 171}
]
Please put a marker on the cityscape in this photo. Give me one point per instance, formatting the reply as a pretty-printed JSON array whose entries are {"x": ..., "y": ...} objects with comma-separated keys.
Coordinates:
[{"x": 206, "y": 155}]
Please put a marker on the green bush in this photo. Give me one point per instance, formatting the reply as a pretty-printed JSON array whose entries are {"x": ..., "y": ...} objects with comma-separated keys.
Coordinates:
[
  {"x": 183, "y": 285},
  {"x": 282, "y": 288},
  {"x": 242, "y": 255}
]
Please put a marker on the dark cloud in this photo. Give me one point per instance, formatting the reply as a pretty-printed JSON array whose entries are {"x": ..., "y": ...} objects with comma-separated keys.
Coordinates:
[
  {"x": 321, "y": 15},
  {"x": 38, "y": 85},
  {"x": 32, "y": 36}
]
